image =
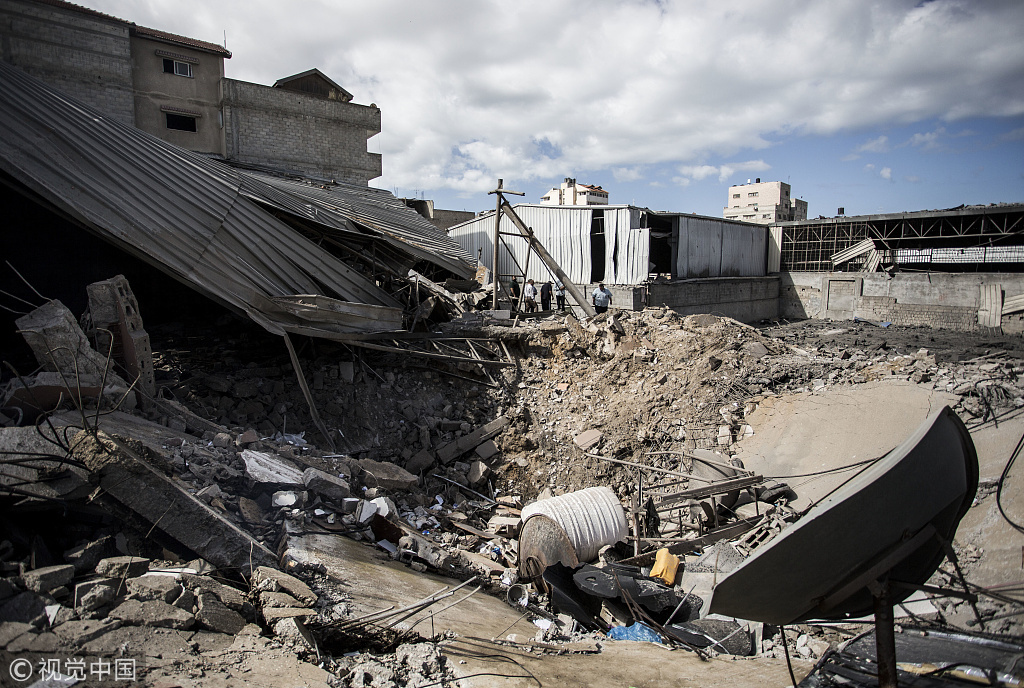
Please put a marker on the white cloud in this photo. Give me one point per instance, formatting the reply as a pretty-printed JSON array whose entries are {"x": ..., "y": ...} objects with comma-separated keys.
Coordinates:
[
  {"x": 878, "y": 145},
  {"x": 627, "y": 174},
  {"x": 928, "y": 140},
  {"x": 869, "y": 167},
  {"x": 622, "y": 85},
  {"x": 1015, "y": 135},
  {"x": 698, "y": 172},
  {"x": 885, "y": 173}
]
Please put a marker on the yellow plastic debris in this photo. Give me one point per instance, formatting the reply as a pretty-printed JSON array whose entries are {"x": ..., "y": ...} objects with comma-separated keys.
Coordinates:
[{"x": 665, "y": 566}]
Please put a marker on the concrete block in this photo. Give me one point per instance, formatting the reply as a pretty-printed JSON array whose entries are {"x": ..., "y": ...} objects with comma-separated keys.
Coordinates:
[
  {"x": 271, "y": 469},
  {"x": 48, "y": 578},
  {"x": 85, "y": 557},
  {"x": 478, "y": 472},
  {"x": 420, "y": 462},
  {"x": 487, "y": 450},
  {"x": 325, "y": 484},
  {"x": 122, "y": 567}
]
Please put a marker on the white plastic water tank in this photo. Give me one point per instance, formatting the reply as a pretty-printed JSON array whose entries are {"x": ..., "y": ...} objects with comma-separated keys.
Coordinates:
[{"x": 591, "y": 518}]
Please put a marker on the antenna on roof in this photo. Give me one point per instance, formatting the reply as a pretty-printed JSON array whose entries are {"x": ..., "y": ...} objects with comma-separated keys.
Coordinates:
[{"x": 225, "y": 39}]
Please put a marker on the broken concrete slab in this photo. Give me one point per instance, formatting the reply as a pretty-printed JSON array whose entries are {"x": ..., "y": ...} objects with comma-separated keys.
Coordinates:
[
  {"x": 214, "y": 615},
  {"x": 266, "y": 578},
  {"x": 166, "y": 505},
  {"x": 271, "y": 469},
  {"x": 60, "y": 345},
  {"x": 85, "y": 557},
  {"x": 250, "y": 510},
  {"x": 152, "y": 613},
  {"x": 48, "y": 578},
  {"x": 26, "y": 607},
  {"x": 387, "y": 475},
  {"x": 76, "y": 633},
  {"x": 272, "y": 614},
  {"x": 588, "y": 438},
  {"x": 478, "y": 472},
  {"x": 96, "y": 597},
  {"x": 325, "y": 484},
  {"x": 454, "y": 450},
  {"x": 278, "y": 599},
  {"x": 154, "y": 587},
  {"x": 225, "y": 593},
  {"x": 12, "y": 629}
]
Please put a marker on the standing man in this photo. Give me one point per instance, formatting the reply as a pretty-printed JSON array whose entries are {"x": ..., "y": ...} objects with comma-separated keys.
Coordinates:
[
  {"x": 514, "y": 290},
  {"x": 545, "y": 296},
  {"x": 530, "y": 297},
  {"x": 560, "y": 296},
  {"x": 602, "y": 298}
]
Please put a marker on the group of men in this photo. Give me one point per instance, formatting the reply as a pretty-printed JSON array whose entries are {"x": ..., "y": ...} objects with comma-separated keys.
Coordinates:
[{"x": 602, "y": 298}]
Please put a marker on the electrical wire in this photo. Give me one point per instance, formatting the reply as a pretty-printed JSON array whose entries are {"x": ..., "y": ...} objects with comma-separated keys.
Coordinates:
[
  {"x": 1002, "y": 481},
  {"x": 789, "y": 662},
  {"x": 837, "y": 469}
]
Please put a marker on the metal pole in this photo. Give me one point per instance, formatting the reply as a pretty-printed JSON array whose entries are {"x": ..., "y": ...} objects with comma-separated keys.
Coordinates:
[
  {"x": 548, "y": 260},
  {"x": 494, "y": 256},
  {"x": 885, "y": 634}
]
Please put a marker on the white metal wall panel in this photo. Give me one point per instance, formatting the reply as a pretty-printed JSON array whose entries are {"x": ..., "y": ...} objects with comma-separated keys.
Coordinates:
[
  {"x": 774, "y": 249},
  {"x": 564, "y": 232}
]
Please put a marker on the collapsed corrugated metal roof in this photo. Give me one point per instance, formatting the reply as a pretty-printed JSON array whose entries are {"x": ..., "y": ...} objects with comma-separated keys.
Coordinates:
[
  {"x": 180, "y": 212},
  {"x": 372, "y": 211}
]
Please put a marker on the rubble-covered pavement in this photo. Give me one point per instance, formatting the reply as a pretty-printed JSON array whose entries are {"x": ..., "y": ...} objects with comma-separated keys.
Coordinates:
[{"x": 206, "y": 530}]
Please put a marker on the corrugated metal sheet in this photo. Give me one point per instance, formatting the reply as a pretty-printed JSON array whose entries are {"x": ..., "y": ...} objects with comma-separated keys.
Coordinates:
[
  {"x": 564, "y": 232},
  {"x": 709, "y": 247},
  {"x": 174, "y": 209},
  {"x": 627, "y": 247},
  {"x": 375, "y": 211}
]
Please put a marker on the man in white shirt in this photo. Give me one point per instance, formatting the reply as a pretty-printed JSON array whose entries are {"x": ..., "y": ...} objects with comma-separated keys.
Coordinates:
[
  {"x": 602, "y": 299},
  {"x": 530, "y": 296},
  {"x": 560, "y": 296}
]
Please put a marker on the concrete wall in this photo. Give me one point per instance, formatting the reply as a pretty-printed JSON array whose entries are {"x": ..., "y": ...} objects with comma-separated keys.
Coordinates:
[
  {"x": 316, "y": 136},
  {"x": 747, "y": 299},
  {"x": 82, "y": 54},
  {"x": 946, "y": 300},
  {"x": 200, "y": 93}
]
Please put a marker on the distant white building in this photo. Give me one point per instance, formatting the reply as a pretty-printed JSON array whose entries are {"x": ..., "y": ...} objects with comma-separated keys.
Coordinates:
[
  {"x": 571, "y": 193},
  {"x": 764, "y": 203}
]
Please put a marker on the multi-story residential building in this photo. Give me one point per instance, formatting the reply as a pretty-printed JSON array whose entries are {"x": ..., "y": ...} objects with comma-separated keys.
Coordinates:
[
  {"x": 173, "y": 87},
  {"x": 571, "y": 193},
  {"x": 764, "y": 203}
]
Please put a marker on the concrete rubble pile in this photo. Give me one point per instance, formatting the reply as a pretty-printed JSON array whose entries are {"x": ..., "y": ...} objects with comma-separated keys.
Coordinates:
[{"x": 196, "y": 512}]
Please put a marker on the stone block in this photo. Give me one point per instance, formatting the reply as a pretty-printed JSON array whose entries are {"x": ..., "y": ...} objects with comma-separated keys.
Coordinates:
[
  {"x": 272, "y": 614},
  {"x": 271, "y": 469},
  {"x": 225, "y": 593},
  {"x": 96, "y": 597},
  {"x": 48, "y": 578},
  {"x": 325, "y": 484},
  {"x": 122, "y": 567},
  {"x": 278, "y": 599}
]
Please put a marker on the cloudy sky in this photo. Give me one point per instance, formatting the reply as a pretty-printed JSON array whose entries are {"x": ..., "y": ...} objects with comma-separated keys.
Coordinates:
[{"x": 874, "y": 106}]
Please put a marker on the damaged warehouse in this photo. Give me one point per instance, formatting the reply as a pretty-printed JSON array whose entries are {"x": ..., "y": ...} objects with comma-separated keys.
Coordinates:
[{"x": 413, "y": 490}]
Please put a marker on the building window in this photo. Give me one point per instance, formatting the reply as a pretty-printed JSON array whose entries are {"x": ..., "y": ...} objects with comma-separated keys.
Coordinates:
[
  {"x": 179, "y": 68},
  {"x": 748, "y": 217},
  {"x": 766, "y": 217},
  {"x": 752, "y": 194},
  {"x": 735, "y": 195},
  {"x": 181, "y": 122}
]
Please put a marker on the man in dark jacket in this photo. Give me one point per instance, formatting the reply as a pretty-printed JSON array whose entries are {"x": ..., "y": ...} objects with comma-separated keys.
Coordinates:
[{"x": 545, "y": 296}]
